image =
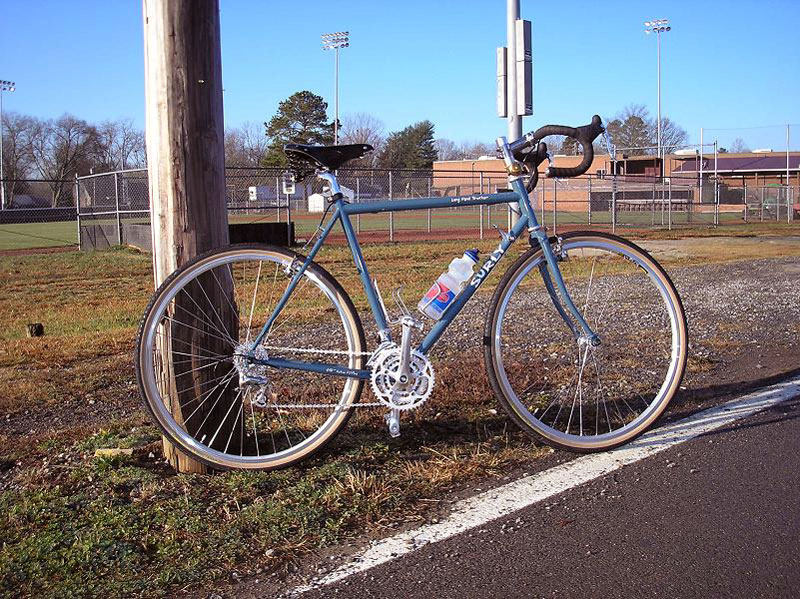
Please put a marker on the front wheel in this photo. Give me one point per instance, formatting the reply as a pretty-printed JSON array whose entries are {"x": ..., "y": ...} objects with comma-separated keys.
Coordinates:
[
  {"x": 565, "y": 391},
  {"x": 197, "y": 383}
]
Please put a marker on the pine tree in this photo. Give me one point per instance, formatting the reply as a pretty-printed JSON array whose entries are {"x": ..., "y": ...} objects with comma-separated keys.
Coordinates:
[
  {"x": 411, "y": 148},
  {"x": 301, "y": 118}
]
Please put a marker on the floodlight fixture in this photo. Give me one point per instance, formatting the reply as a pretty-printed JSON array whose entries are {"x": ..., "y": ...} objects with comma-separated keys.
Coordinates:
[{"x": 336, "y": 41}]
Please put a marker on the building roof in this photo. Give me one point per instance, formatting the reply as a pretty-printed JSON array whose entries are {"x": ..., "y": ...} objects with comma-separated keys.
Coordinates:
[{"x": 741, "y": 163}]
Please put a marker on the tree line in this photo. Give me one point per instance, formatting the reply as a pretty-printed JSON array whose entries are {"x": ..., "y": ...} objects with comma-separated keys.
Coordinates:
[{"x": 59, "y": 149}]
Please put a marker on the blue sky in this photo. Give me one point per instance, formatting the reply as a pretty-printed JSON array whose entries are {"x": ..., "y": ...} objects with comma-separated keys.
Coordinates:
[{"x": 726, "y": 64}]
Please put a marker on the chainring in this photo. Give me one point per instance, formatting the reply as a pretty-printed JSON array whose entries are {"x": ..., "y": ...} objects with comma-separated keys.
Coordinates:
[{"x": 385, "y": 364}]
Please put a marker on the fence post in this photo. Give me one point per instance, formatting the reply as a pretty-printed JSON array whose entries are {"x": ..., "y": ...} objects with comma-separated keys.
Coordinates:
[
  {"x": 358, "y": 199},
  {"x": 653, "y": 206},
  {"x": 288, "y": 221},
  {"x": 543, "y": 187},
  {"x": 761, "y": 207},
  {"x": 555, "y": 206},
  {"x": 480, "y": 208},
  {"x": 430, "y": 185},
  {"x": 78, "y": 211},
  {"x": 669, "y": 203},
  {"x": 278, "y": 199},
  {"x": 614, "y": 203},
  {"x": 589, "y": 198},
  {"x": 116, "y": 202},
  {"x": 391, "y": 213}
]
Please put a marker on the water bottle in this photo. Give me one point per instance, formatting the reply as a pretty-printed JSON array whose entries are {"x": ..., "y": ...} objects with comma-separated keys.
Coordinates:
[{"x": 448, "y": 285}]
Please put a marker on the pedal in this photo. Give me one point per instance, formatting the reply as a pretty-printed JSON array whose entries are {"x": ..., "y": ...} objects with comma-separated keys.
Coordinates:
[{"x": 393, "y": 420}]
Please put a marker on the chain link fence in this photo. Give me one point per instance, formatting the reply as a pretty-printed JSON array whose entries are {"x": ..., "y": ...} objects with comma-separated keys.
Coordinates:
[
  {"x": 106, "y": 209},
  {"x": 37, "y": 213}
]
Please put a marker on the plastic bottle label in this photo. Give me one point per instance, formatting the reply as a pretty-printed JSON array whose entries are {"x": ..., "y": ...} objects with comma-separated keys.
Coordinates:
[{"x": 439, "y": 297}]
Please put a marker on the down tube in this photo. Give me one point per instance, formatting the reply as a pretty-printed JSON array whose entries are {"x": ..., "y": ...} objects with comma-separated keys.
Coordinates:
[{"x": 476, "y": 281}]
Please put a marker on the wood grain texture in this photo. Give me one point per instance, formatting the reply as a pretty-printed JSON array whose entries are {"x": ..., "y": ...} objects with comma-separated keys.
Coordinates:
[{"x": 185, "y": 141}]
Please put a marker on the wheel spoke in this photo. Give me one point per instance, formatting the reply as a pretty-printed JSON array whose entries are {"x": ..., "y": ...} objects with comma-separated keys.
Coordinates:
[
  {"x": 191, "y": 361},
  {"x": 590, "y": 397}
]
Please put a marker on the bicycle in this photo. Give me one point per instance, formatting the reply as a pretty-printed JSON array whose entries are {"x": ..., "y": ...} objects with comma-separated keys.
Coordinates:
[{"x": 254, "y": 356}]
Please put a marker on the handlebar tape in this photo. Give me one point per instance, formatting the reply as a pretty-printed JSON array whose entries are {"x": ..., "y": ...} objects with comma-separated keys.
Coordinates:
[{"x": 584, "y": 135}]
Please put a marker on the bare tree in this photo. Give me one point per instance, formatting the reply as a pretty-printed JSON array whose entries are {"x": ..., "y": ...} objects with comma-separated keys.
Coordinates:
[
  {"x": 362, "y": 128},
  {"x": 61, "y": 149},
  {"x": 738, "y": 146},
  {"x": 119, "y": 145},
  {"x": 245, "y": 145},
  {"x": 466, "y": 150},
  {"x": 673, "y": 136},
  {"x": 17, "y": 158}
]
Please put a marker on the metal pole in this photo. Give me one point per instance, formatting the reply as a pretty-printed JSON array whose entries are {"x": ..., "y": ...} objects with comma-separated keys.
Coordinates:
[
  {"x": 543, "y": 187},
  {"x": 288, "y": 221},
  {"x": 358, "y": 198},
  {"x": 669, "y": 203},
  {"x": 277, "y": 199},
  {"x": 614, "y": 203},
  {"x": 788, "y": 180},
  {"x": 761, "y": 208},
  {"x": 660, "y": 166},
  {"x": 78, "y": 212},
  {"x": 480, "y": 209},
  {"x": 2, "y": 178},
  {"x": 744, "y": 196},
  {"x": 589, "y": 198},
  {"x": 514, "y": 120},
  {"x": 391, "y": 213},
  {"x": 716, "y": 185},
  {"x": 555, "y": 206},
  {"x": 336, "y": 118},
  {"x": 701, "y": 168},
  {"x": 429, "y": 210},
  {"x": 116, "y": 201}
]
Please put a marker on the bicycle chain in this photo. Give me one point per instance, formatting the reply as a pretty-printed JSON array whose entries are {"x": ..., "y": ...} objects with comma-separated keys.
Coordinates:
[{"x": 335, "y": 352}]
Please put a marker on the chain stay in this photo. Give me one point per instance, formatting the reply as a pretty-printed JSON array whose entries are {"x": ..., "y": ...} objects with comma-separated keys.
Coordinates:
[{"x": 330, "y": 352}]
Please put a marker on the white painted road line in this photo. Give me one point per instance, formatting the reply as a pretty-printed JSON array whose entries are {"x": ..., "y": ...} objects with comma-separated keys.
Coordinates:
[{"x": 507, "y": 499}]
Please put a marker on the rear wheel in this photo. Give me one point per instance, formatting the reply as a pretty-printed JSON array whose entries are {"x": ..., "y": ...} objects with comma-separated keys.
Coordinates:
[
  {"x": 203, "y": 395},
  {"x": 563, "y": 390}
]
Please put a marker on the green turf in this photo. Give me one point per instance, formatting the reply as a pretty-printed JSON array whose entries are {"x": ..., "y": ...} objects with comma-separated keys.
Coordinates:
[{"x": 38, "y": 235}]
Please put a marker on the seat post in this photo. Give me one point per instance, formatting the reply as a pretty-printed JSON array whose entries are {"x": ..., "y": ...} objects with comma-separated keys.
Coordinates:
[{"x": 328, "y": 176}]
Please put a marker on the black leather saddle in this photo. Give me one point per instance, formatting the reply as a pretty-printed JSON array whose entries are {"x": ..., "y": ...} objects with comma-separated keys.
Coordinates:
[{"x": 329, "y": 157}]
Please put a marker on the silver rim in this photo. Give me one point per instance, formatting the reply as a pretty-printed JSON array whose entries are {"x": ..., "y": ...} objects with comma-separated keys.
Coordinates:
[
  {"x": 576, "y": 395},
  {"x": 224, "y": 301}
]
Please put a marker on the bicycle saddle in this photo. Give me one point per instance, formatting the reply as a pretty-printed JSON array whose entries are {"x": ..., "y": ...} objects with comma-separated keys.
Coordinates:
[{"x": 328, "y": 157}]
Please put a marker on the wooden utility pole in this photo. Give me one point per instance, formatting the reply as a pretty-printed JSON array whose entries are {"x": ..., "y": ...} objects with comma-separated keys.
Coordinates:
[{"x": 186, "y": 166}]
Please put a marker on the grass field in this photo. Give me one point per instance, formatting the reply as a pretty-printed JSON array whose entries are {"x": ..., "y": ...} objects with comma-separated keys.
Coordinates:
[
  {"x": 57, "y": 234},
  {"x": 38, "y": 235},
  {"x": 75, "y": 525}
]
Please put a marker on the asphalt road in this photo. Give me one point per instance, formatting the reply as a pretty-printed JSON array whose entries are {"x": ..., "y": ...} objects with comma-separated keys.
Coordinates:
[{"x": 718, "y": 516}]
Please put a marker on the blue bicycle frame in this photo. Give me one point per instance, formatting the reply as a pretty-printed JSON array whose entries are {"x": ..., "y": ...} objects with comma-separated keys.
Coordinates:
[{"x": 342, "y": 213}]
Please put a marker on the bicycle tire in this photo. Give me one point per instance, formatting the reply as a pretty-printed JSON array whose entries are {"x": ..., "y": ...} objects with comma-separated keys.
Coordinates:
[
  {"x": 158, "y": 383},
  {"x": 529, "y": 384}
]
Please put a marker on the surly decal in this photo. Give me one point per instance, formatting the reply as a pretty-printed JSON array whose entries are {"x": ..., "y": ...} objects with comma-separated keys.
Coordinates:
[{"x": 487, "y": 267}]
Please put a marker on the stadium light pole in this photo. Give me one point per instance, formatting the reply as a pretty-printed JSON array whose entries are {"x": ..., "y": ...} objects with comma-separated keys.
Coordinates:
[
  {"x": 5, "y": 86},
  {"x": 658, "y": 26},
  {"x": 335, "y": 41}
]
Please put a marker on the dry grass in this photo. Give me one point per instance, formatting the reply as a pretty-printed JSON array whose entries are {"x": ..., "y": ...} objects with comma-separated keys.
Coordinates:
[{"x": 73, "y": 524}]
